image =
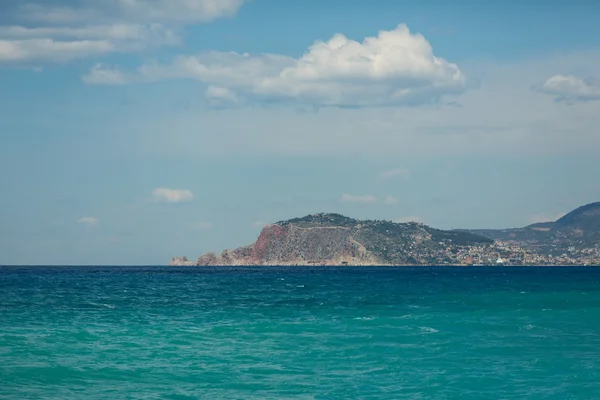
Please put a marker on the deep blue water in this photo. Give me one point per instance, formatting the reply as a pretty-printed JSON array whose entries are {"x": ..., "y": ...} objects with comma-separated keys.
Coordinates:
[{"x": 299, "y": 333}]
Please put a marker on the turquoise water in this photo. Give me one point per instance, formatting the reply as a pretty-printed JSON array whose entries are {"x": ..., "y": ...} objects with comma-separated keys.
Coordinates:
[{"x": 299, "y": 333}]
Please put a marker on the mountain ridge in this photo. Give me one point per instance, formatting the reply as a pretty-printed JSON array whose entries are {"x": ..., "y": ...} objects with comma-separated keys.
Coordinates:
[{"x": 579, "y": 228}]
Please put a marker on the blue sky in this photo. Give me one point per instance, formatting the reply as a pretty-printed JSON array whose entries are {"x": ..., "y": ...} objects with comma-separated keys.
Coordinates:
[{"x": 132, "y": 131}]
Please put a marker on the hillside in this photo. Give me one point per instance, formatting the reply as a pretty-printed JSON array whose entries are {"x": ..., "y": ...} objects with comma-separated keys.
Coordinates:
[
  {"x": 579, "y": 229},
  {"x": 585, "y": 218},
  {"x": 333, "y": 239}
]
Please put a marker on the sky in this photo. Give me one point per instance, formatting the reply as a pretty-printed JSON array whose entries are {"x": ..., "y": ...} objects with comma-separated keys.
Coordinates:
[{"x": 132, "y": 131}]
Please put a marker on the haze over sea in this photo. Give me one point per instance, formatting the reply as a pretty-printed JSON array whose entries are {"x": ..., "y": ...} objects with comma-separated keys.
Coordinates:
[{"x": 301, "y": 333}]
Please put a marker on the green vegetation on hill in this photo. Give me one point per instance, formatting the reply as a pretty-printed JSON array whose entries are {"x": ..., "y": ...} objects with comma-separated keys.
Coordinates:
[
  {"x": 394, "y": 243},
  {"x": 387, "y": 228},
  {"x": 586, "y": 218},
  {"x": 321, "y": 219}
]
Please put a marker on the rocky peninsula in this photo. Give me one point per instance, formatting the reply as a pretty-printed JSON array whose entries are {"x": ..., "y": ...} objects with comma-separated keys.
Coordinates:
[{"x": 333, "y": 239}]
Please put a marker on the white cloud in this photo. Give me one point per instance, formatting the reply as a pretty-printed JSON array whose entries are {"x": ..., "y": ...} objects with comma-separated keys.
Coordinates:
[
  {"x": 105, "y": 74},
  {"x": 503, "y": 118},
  {"x": 395, "y": 173},
  {"x": 396, "y": 67},
  {"x": 50, "y": 50},
  {"x": 20, "y": 45},
  {"x": 390, "y": 200},
  {"x": 355, "y": 198},
  {"x": 165, "y": 195},
  {"x": 186, "y": 11},
  {"x": 408, "y": 219},
  {"x": 89, "y": 221},
  {"x": 118, "y": 31},
  {"x": 202, "y": 225},
  {"x": 570, "y": 88},
  {"x": 222, "y": 69},
  {"x": 220, "y": 94},
  {"x": 259, "y": 224},
  {"x": 50, "y": 32}
]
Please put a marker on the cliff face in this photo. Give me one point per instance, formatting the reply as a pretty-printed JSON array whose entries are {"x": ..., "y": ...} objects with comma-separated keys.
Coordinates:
[{"x": 331, "y": 239}]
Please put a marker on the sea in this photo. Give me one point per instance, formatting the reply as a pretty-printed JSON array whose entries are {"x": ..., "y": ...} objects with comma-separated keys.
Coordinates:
[{"x": 299, "y": 333}]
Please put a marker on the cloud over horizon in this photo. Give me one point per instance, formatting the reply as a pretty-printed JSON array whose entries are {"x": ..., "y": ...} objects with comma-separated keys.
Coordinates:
[
  {"x": 570, "y": 88},
  {"x": 369, "y": 199},
  {"x": 396, "y": 67},
  {"x": 395, "y": 173},
  {"x": 390, "y": 200},
  {"x": 356, "y": 198},
  {"x": 89, "y": 221},
  {"x": 165, "y": 195}
]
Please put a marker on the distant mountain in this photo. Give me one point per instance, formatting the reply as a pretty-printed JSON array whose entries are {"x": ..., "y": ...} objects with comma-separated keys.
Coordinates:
[
  {"x": 333, "y": 239},
  {"x": 585, "y": 218},
  {"x": 578, "y": 229}
]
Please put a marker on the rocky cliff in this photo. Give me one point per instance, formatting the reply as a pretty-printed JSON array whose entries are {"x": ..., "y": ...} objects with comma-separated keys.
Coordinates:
[{"x": 332, "y": 239}]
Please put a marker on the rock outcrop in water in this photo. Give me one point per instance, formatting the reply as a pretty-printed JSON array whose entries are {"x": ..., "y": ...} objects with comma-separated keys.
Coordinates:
[{"x": 332, "y": 239}]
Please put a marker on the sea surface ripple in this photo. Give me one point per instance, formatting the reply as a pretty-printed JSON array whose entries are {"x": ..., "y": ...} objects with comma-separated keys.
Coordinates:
[{"x": 299, "y": 333}]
